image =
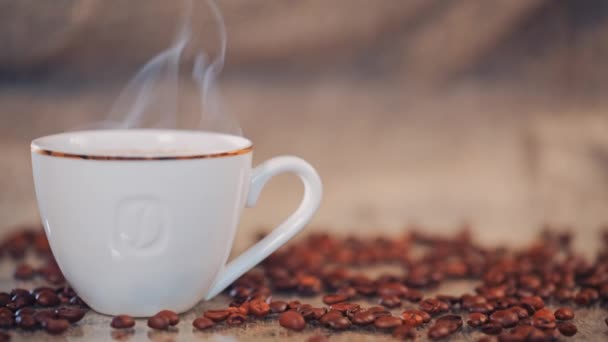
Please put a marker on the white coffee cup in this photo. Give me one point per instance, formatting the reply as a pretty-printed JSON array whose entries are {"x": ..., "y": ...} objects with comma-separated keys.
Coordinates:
[{"x": 144, "y": 220}]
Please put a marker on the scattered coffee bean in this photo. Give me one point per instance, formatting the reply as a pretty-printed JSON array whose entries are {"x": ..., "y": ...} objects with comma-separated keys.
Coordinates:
[
  {"x": 25, "y": 311},
  {"x": 292, "y": 320},
  {"x": 236, "y": 319},
  {"x": 564, "y": 314},
  {"x": 491, "y": 329},
  {"x": 41, "y": 316},
  {"x": 217, "y": 315},
  {"x": 158, "y": 322},
  {"x": 544, "y": 319},
  {"x": 505, "y": 318},
  {"x": 170, "y": 315},
  {"x": 433, "y": 306},
  {"x": 26, "y": 321},
  {"x": 56, "y": 326},
  {"x": 5, "y": 298},
  {"x": 567, "y": 328},
  {"x": 404, "y": 332},
  {"x": 520, "y": 312},
  {"x": 259, "y": 308},
  {"x": 122, "y": 322},
  {"x": 387, "y": 322},
  {"x": 24, "y": 272},
  {"x": 334, "y": 299},
  {"x": 278, "y": 306},
  {"x": 202, "y": 323},
  {"x": 47, "y": 298},
  {"x": 390, "y": 301},
  {"x": 363, "y": 317},
  {"x": 534, "y": 301},
  {"x": 70, "y": 313}
]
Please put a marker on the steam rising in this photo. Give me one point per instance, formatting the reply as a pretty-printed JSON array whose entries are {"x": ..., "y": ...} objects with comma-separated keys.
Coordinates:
[{"x": 151, "y": 98}]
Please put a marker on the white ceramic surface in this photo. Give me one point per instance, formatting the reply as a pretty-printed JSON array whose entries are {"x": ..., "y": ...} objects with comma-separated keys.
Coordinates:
[{"x": 134, "y": 235}]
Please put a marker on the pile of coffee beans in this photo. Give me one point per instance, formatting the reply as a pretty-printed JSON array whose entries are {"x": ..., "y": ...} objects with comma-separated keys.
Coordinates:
[{"x": 509, "y": 301}]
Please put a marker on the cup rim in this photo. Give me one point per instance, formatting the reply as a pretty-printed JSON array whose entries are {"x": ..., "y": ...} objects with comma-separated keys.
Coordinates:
[{"x": 38, "y": 146}]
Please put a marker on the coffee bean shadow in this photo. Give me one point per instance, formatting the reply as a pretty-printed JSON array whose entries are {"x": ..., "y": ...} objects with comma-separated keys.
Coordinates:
[
  {"x": 122, "y": 335},
  {"x": 169, "y": 335}
]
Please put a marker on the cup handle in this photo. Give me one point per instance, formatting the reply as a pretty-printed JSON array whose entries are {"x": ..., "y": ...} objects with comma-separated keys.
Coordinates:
[{"x": 313, "y": 190}]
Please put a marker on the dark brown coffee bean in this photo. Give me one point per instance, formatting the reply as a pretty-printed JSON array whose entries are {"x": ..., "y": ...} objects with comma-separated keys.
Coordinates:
[
  {"x": 506, "y": 318},
  {"x": 285, "y": 284},
  {"x": 485, "y": 308},
  {"x": 278, "y": 306},
  {"x": 330, "y": 315},
  {"x": 259, "y": 308},
  {"x": 412, "y": 318},
  {"x": 564, "y": 314},
  {"x": 344, "y": 306},
  {"x": 404, "y": 332},
  {"x": 202, "y": 323},
  {"x": 78, "y": 301},
  {"x": 586, "y": 296},
  {"x": 25, "y": 311},
  {"x": 309, "y": 285},
  {"x": 433, "y": 306},
  {"x": 387, "y": 322},
  {"x": 518, "y": 334},
  {"x": 5, "y": 298},
  {"x": 339, "y": 323},
  {"x": 47, "y": 298},
  {"x": 334, "y": 299},
  {"x": 442, "y": 330},
  {"x": 450, "y": 319},
  {"x": 24, "y": 272},
  {"x": 491, "y": 329},
  {"x": 26, "y": 322},
  {"x": 413, "y": 295},
  {"x": 217, "y": 315},
  {"x": 347, "y": 291},
  {"x": 520, "y": 312},
  {"x": 56, "y": 326},
  {"x": 158, "y": 322},
  {"x": 390, "y": 301},
  {"x": 4, "y": 312},
  {"x": 365, "y": 290},
  {"x": 544, "y": 319},
  {"x": 294, "y": 304},
  {"x": 170, "y": 315},
  {"x": 392, "y": 289},
  {"x": 41, "y": 316},
  {"x": 122, "y": 322},
  {"x": 6, "y": 321},
  {"x": 72, "y": 314},
  {"x": 236, "y": 319},
  {"x": 363, "y": 317},
  {"x": 534, "y": 301},
  {"x": 313, "y": 313},
  {"x": 567, "y": 329},
  {"x": 292, "y": 320},
  {"x": 564, "y": 295}
]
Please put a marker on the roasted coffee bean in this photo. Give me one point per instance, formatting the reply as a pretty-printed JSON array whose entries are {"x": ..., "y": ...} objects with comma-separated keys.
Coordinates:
[
  {"x": 158, "y": 322},
  {"x": 586, "y": 296},
  {"x": 450, "y": 319},
  {"x": 259, "y": 308},
  {"x": 363, "y": 317},
  {"x": 491, "y": 329},
  {"x": 122, "y": 322},
  {"x": 72, "y": 314},
  {"x": 564, "y": 295},
  {"x": 309, "y": 285},
  {"x": 433, "y": 306},
  {"x": 236, "y": 319},
  {"x": 387, "y": 322},
  {"x": 217, "y": 315},
  {"x": 518, "y": 334},
  {"x": 202, "y": 323},
  {"x": 6, "y": 321},
  {"x": 506, "y": 318},
  {"x": 278, "y": 306},
  {"x": 365, "y": 290},
  {"x": 390, "y": 301},
  {"x": 442, "y": 330},
  {"x": 404, "y": 332},
  {"x": 413, "y": 295},
  {"x": 564, "y": 314},
  {"x": 338, "y": 323},
  {"x": 47, "y": 298},
  {"x": 392, "y": 289},
  {"x": 285, "y": 284},
  {"x": 330, "y": 315},
  {"x": 520, "y": 312},
  {"x": 310, "y": 313},
  {"x": 24, "y": 272},
  {"x": 170, "y": 315},
  {"x": 56, "y": 326},
  {"x": 412, "y": 319},
  {"x": 567, "y": 329},
  {"x": 292, "y": 320},
  {"x": 544, "y": 319},
  {"x": 41, "y": 316},
  {"x": 4, "y": 312},
  {"x": 334, "y": 299},
  {"x": 485, "y": 308},
  {"x": 78, "y": 301},
  {"x": 534, "y": 301},
  {"x": 25, "y": 311},
  {"x": 344, "y": 306},
  {"x": 347, "y": 291},
  {"x": 294, "y": 304},
  {"x": 26, "y": 322},
  {"x": 5, "y": 298}
]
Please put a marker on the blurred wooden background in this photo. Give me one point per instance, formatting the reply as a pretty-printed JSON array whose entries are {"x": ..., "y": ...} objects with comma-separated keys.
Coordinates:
[{"x": 422, "y": 110}]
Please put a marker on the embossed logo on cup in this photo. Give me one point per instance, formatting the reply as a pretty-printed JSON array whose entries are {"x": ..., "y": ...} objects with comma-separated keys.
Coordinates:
[{"x": 141, "y": 226}]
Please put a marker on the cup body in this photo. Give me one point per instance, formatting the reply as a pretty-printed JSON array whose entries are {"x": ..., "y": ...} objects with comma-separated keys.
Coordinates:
[{"x": 138, "y": 236}]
